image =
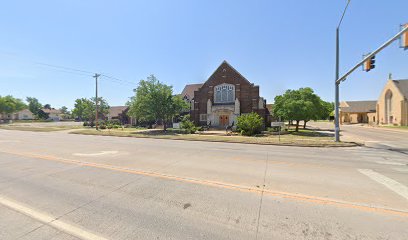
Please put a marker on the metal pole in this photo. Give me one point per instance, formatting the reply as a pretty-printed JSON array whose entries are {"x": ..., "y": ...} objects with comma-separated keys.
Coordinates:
[
  {"x": 96, "y": 100},
  {"x": 337, "y": 85},
  {"x": 369, "y": 56}
]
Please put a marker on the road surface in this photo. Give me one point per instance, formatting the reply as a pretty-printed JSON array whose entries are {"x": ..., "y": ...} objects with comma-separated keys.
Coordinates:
[
  {"x": 376, "y": 137},
  {"x": 61, "y": 186}
]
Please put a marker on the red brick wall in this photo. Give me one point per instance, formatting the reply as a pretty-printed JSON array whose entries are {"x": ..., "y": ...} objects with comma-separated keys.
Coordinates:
[{"x": 246, "y": 92}]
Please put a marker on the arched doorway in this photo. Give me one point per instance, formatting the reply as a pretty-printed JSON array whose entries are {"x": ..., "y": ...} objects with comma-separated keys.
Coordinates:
[{"x": 388, "y": 108}]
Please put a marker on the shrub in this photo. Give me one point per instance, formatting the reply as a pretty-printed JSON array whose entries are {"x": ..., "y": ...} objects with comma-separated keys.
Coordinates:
[
  {"x": 102, "y": 126},
  {"x": 250, "y": 124},
  {"x": 91, "y": 124},
  {"x": 187, "y": 125},
  {"x": 85, "y": 124},
  {"x": 116, "y": 126}
]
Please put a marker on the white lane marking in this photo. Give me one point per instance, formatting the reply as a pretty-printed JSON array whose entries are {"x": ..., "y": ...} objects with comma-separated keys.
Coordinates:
[
  {"x": 391, "y": 163},
  {"x": 391, "y": 184},
  {"x": 95, "y": 154},
  {"x": 50, "y": 220}
]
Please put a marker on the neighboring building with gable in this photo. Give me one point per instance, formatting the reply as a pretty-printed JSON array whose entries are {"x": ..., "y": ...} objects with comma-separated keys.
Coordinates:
[
  {"x": 188, "y": 95},
  {"x": 358, "y": 112},
  {"x": 392, "y": 105},
  {"x": 223, "y": 97},
  {"x": 53, "y": 114},
  {"x": 24, "y": 114},
  {"x": 120, "y": 113},
  {"x": 390, "y": 109}
]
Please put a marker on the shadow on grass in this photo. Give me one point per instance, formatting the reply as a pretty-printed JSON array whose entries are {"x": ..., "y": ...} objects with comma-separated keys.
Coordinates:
[
  {"x": 158, "y": 133},
  {"x": 309, "y": 133}
]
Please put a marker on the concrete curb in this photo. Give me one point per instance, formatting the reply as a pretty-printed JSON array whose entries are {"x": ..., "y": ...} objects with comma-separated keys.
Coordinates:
[{"x": 352, "y": 144}]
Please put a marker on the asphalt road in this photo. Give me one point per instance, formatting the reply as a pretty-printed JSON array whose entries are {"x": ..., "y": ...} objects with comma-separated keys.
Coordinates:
[
  {"x": 376, "y": 137},
  {"x": 62, "y": 186}
]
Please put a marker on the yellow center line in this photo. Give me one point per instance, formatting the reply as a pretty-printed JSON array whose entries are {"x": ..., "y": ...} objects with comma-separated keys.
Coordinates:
[{"x": 231, "y": 186}]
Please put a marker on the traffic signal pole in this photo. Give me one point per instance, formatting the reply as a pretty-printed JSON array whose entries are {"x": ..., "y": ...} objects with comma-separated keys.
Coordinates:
[
  {"x": 96, "y": 101},
  {"x": 369, "y": 56},
  {"x": 337, "y": 86},
  {"x": 344, "y": 77}
]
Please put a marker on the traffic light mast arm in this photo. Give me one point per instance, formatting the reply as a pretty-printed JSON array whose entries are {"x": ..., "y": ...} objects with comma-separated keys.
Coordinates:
[{"x": 369, "y": 56}]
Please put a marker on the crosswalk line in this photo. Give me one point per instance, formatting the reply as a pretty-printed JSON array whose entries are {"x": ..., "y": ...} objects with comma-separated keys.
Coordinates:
[{"x": 391, "y": 184}]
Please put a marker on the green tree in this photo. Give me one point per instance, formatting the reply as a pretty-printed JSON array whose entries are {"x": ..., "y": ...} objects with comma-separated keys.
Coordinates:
[
  {"x": 154, "y": 101},
  {"x": 84, "y": 109},
  {"x": 297, "y": 105},
  {"x": 9, "y": 104},
  {"x": 34, "y": 105},
  {"x": 43, "y": 115},
  {"x": 64, "y": 110},
  {"x": 65, "y": 113},
  {"x": 47, "y": 106},
  {"x": 103, "y": 108},
  {"x": 327, "y": 109}
]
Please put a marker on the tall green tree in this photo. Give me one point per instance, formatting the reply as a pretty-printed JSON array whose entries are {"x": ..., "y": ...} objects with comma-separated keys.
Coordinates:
[
  {"x": 327, "y": 110},
  {"x": 299, "y": 105},
  {"x": 85, "y": 109},
  {"x": 103, "y": 107},
  {"x": 34, "y": 105},
  {"x": 154, "y": 101},
  {"x": 9, "y": 104},
  {"x": 65, "y": 113}
]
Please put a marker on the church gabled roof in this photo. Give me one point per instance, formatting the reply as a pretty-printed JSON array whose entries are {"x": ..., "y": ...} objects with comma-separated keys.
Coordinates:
[
  {"x": 402, "y": 86},
  {"x": 229, "y": 66}
]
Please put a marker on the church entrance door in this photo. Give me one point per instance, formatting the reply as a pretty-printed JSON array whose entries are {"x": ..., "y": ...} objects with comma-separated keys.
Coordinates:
[{"x": 224, "y": 120}]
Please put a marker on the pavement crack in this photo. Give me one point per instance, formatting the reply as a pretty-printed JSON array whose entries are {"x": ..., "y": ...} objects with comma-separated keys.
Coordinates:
[{"x": 262, "y": 194}]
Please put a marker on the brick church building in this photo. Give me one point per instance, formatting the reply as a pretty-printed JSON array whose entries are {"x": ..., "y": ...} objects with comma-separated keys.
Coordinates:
[{"x": 223, "y": 97}]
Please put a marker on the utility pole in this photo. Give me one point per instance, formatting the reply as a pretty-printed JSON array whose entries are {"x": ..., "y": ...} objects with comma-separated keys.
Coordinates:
[{"x": 96, "y": 99}]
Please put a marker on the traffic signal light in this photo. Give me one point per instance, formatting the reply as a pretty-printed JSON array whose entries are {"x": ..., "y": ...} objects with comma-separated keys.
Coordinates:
[
  {"x": 404, "y": 38},
  {"x": 369, "y": 64}
]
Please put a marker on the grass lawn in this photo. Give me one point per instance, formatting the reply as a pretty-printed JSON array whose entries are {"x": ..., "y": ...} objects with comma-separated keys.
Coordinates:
[
  {"x": 397, "y": 127},
  {"x": 38, "y": 129},
  {"x": 301, "y": 138}
]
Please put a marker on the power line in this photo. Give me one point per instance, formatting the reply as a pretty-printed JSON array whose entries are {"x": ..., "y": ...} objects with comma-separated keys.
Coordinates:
[
  {"x": 81, "y": 72},
  {"x": 117, "y": 79},
  {"x": 62, "y": 67}
]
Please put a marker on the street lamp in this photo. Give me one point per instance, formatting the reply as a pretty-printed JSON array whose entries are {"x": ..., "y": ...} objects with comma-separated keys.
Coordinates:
[{"x": 336, "y": 84}]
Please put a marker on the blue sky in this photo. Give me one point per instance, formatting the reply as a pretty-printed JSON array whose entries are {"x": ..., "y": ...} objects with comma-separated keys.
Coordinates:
[{"x": 278, "y": 45}]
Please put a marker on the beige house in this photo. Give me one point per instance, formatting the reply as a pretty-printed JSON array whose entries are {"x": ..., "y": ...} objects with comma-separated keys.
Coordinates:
[
  {"x": 358, "y": 112},
  {"x": 392, "y": 105},
  {"x": 53, "y": 114},
  {"x": 24, "y": 114}
]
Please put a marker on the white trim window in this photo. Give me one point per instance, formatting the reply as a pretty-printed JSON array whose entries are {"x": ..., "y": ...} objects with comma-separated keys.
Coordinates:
[
  {"x": 224, "y": 93},
  {"x": 203, "y": 117}
]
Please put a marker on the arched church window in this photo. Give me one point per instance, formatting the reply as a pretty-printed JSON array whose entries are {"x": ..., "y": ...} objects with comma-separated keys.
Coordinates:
[
  {"x": 388, "y": 107},
  {"x": 224, "y": 93}
]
